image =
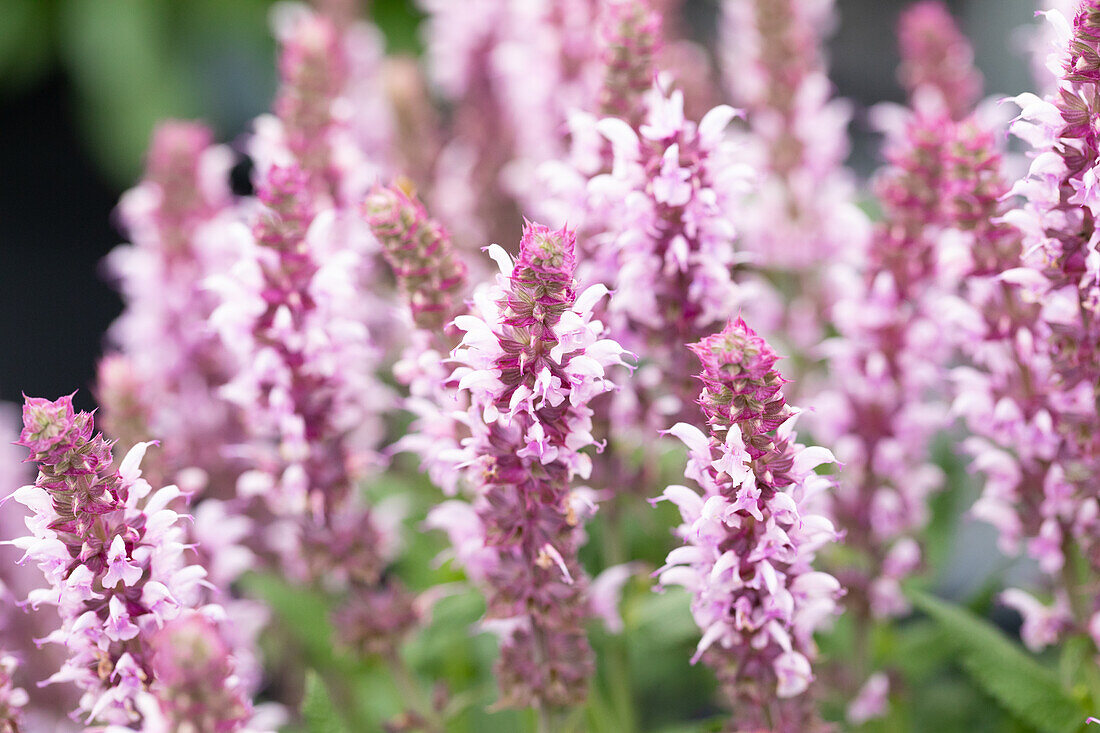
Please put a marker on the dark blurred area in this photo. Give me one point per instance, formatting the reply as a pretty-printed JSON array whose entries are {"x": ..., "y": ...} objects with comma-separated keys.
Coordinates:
[{"x": 83, "y": 81}]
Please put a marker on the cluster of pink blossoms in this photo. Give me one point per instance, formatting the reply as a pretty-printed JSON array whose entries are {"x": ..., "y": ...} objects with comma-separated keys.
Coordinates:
[
  {"x": 750, "y": 536},
  {"x": 802, "y": 210},
  {"x": 936, "y": 54},
  {"x": 531, "y": 361},
  {"x": 164, "y": 377},
  {"x": 884, "y": 402},
  {"x": 430, "y": 275},
  {"x": 660, "y": 230},
  {"x": 517, "y": 72},
  {"x": 330, "y": 114},
  {"x": 113, "y": 555},
  {"x": 304, "y": 388},
  {"x": 514, "y": 69},
  {"x": 1045, "y": 487}
]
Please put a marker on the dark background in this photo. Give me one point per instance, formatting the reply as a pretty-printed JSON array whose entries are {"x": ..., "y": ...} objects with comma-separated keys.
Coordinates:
[{"x": 83, "y": 81}]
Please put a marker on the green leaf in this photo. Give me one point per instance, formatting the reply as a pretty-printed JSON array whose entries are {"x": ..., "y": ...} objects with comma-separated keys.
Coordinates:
[
  {"x": 1017, "y": 682},
  {"x": 305, "y": 615},
  {"x": 317, "y": 709}
]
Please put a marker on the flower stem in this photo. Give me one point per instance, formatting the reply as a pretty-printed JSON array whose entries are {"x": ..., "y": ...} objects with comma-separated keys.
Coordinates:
[{"x": 413, "y": 696}]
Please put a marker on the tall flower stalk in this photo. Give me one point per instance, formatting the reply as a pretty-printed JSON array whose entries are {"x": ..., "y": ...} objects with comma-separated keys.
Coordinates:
[
  {"x": 886, "y": 399},
  {"x": 113, "y": 556},
  {"x": 305, "y": 390},
  {"x": 331, "y": 114},
  {"x": 430, "y": 277},
  {"x": 512, "y": 70},
  {"x": 165, "y": 376},
  {"x": 418, "y": 249},
  {"x": 660, "y": 230},
  {"x": 750, "y": 537},
  {"x": 936, "y": 55},
  {"x": 803, "y": 211},
  {"x": 1060, "y": 272},
  {"x": 530, "y": 361}
]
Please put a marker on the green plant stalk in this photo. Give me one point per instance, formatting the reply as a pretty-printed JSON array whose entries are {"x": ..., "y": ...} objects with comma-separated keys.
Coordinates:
[
  {"x": 614, "y": 553},
  {"x": 1073, "y": 570},
  {"x": 413, "y": 695},
  {"x": 618, "y": 673}
]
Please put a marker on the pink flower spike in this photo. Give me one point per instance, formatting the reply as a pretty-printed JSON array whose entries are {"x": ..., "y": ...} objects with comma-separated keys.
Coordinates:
[
  {"x": 936, "y": 55},
  {"x": 419, "y": 251},
  {"x": 749, "y": 541},
  {"x": 120, "y": 559},
  {"x": 530, "y": 420}
]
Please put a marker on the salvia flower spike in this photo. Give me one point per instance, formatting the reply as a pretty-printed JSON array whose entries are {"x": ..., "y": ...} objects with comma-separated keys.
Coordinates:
[
  {"x": 1060, "y": 271},
  {"x": 292, "y": 316},
  {"x": 182, "y": 228},
  {"x": 419, "y": 250},
  {"x": 630, "y": 40},
  {"x": 936, "y": 55},
  {"x": 749, "y": 536},
  {"x": 113, "y": 556},
  {"x": 531, "y": 360}
]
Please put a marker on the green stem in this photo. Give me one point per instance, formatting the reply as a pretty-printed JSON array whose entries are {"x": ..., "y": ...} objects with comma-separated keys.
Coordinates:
[
  {"x": 412, "y": 695},
  {"x": 862, "y": 646},
  {"x": 618, "y": 672},
  {"x": 1074, "y": 568},
  {"x": 545, "y": 720},
  {"x": 615, "y": 553}
]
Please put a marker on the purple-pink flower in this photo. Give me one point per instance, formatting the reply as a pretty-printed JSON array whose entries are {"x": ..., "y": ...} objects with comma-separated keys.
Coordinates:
[
  {"x": 803, "y": 210},
  {"x": 936, "y": 56},
  {"x": 12, "y": 698},
  {"x": 114, "y": 558},
  {"x": 170, "y": 364},
  {"x": 749, "y": 535},
  {"x": 419, "y": 251},
  {"x": 531, "y": 360},
  {"x": 331, "y": 113},
  {"x": 305, "y": 389},
  {"x": 1041, "y": 373}
]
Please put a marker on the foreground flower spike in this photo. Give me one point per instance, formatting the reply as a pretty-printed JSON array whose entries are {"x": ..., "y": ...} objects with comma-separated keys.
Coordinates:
[
  {"x": 19, "y": 629},
  {"x": 419, "y": 250},
  {"x": 531, "y": 361},
  {"x": 774, "y": 66},
  {"x": 749, "y": 538},
  {"x": 630, "y": 40},
  {"x": 194, "y": 677},
  {"x": 113, "y": 557},
  {"x": 1061, "y": 271},
  {"x": 936, "y": 55},
  {"x": 165, "y": 380}
]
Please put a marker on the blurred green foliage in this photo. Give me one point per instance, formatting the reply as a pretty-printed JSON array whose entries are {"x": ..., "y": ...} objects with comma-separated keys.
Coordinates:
[{"x": 131, "y": 63}]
